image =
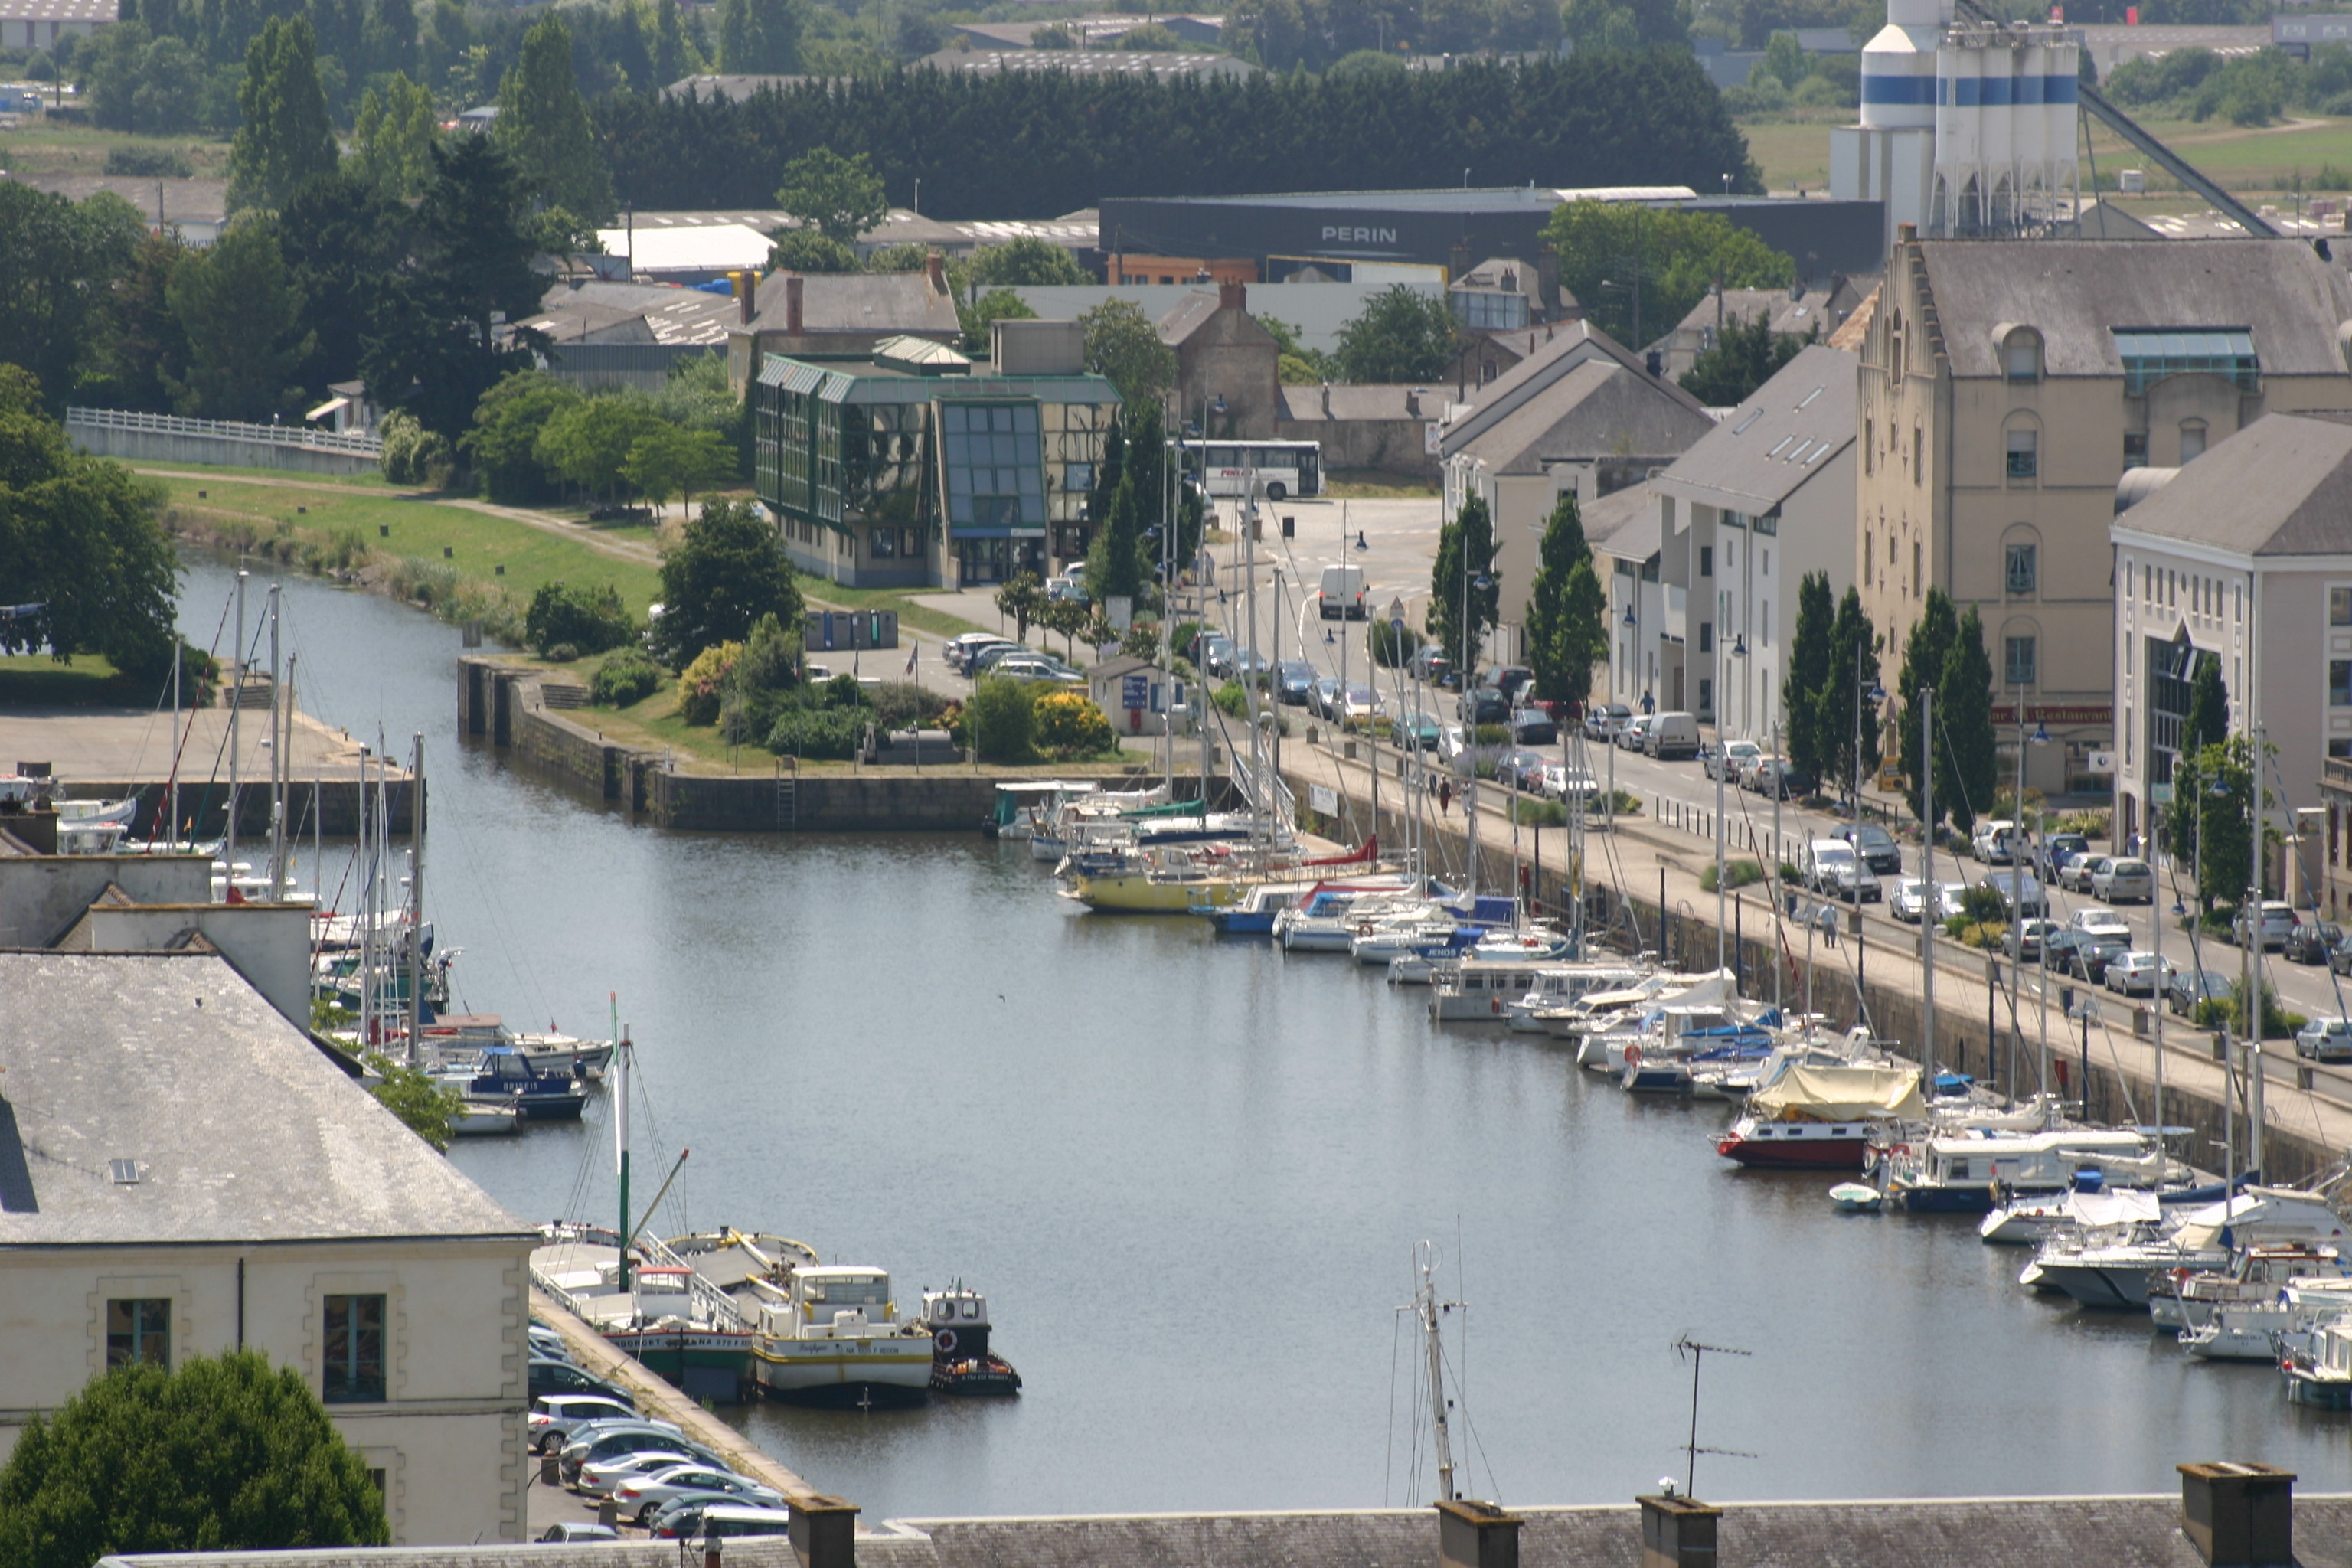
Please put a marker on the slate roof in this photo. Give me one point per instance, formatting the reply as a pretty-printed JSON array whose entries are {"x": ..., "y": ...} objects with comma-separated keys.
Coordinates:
[
  {"x": 1777, "y": 439},
  {"x": 242, "y": 1131},
  {"x": 633, "y": 313},
  {"x": 1361, "y": 401},
  {"x": 1558, "y": 348},
  {"x": 736, "y": 88},
  {"x": 1622, "y": 524},
  {"x": 1598, "y": 409},
  {"x": 1958, "y": 1533},
  {"x": 1091, "y": 62},
  {"x": 881, "y": 302},
  {"x": 2282, "y": 485},
  {"x": 1803, "y": 317},
  {"x": 2073, "y": 291}
]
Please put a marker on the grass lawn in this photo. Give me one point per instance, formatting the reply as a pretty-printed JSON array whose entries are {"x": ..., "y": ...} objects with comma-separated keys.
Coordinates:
[
  {"x": 40, "y": 148},
  {"x": 36, "y": 680},
  {"x": 371, "y": 480},
  {"x": 1372, "y": 484}
]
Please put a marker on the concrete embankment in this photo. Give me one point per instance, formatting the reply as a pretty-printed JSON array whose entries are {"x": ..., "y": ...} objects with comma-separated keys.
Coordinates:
[
  {"x": 528, "y": 709},
  {"x": 1643, "y": 884}
]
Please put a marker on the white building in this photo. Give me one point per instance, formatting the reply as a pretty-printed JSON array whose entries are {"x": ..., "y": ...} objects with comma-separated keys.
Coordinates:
[
  {"x": 181, "y": 1172},
  {"x": 39, "y": 23},
  {"x": 2244, "y": 555}
]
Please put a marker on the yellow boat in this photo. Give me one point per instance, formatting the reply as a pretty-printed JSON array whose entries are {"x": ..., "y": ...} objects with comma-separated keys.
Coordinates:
[{"x": 1171, "y": 891}]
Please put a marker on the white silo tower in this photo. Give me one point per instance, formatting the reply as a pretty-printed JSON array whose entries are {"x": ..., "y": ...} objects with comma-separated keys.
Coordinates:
[{"x": 1890, "y": 156}]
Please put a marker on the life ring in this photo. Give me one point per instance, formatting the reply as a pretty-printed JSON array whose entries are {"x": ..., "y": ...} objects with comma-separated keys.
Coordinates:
[
  {"x": 1900, "y": 1148},
  {"x": 1632, "y": 1056},
  {"x": 945, "y": 1341}
]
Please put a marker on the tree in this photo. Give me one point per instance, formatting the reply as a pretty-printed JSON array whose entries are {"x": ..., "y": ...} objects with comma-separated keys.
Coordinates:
[
  {"x": 669, "y": 44},
  {"x": 1808, "y": 675},
  {"x": 1123, "y": 346},
  {"x": 218, "y": 1454},
  {"x": 343, "y": 239},
  {"x": 508, "y": 422},
  {"x": 1020, "y": 598},
  {"x": 1116, "y": 565},
  {"x": 726, "y": 570},
  {"x": 283, "y": 139},
  {"x": 758, "y": 37},
  {"x": 1026, "y": 262},
  {"x": 2210, "y": 788},
  {"x": 1785, "y": 58},
  {"x": 1965, "y": 755},
  {"x": 242, "y": 316},
  {"x": 666, "y": 461},
  {"x": 1300, "y": 365},
  {"x": 1068, "y": 617},
  {"x": 139, "y": 83},
  {"x": 981, "y": 315},
  {"x": 1568, "y": 630},
  {"x": 589, "y": 443},
  {"x": 1744, "y": 356},
  {"x": 1925, "y": 653},
  {"x": 543, "y": 126},
  {"x": 1402, "y": 334},
  {"x": 57, "y": 260},
  {"x": 806, "y": 250},
  {"x": 391, "y": 139},
  {"x": 1852, "y": 672},
  {"x": 1679, "y": 255},
  {"x": 839, "y": 198},
  {"x": 423, "y": 1103},
  {"x": 392, "y": 36},
  {"x": 2209, "y": 706},
  {"x": 140, "y": 346},
  {"x": 80, "y": 540},
  {"x": 1465, "y": 549}
]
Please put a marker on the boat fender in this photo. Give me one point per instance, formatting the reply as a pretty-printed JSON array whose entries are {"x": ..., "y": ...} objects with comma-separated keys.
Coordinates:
[
  {"x": 945, "y": 1339},
  {"x": 1632, "y": 1056}
]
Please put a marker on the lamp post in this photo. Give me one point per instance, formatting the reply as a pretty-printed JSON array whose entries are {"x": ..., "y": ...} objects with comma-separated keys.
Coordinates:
[
  {"x": 2040, "y": 737},
  {"x": 1468, "y": 708},
  {"x": 1722, "y": 769}
]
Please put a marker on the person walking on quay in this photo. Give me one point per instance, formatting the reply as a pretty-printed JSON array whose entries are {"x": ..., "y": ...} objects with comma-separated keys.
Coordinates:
[
  {"x": 1446, "y": 797},
  {"x": 1828, "y": 921}
]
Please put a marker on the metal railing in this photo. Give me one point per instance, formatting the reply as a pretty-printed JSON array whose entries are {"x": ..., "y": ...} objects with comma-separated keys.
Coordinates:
[{"x": 225, "y": 430}]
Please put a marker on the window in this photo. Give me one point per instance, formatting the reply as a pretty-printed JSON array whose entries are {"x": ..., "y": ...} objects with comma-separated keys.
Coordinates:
[
  {"x": 2020, "y": 569},
  {"x": 2151, "y": 353},
  {"x": 2021, "y": 355},
  {"x": 2339, "y": 748},
  {"x": 2024, "y": 454},
  {"x": 2135, "y": 449},
  {"x": 1707, "y": 637},
  {"x": 2016, "y": 664},
  {"x": 139, "y": 1331},
  {"x": 1707, "y": 559},
  {"x": 1918, "y": 586},
  {"x": 1919, "y": 459},
  {"x": 352, "y": 1364},
  {"x": 2339, "y": 606},
  {"x": 994, "y": 470},
  {"x": 2339, "y": 683},
  {"x": 2193, "y": 440},
  {"x": 1869, "y": 446},
  {"x": 1869, "y": 549},
  {"x": 1705, "y": 695},
  {"x": 886, "y": 544}
]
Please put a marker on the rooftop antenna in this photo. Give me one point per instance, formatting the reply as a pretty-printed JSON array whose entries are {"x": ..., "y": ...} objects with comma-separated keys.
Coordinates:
[{"x": 1697, "y": 1353}]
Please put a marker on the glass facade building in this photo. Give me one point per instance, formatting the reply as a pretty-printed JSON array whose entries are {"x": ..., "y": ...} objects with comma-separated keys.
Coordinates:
[{"x": 918, "y": 468}]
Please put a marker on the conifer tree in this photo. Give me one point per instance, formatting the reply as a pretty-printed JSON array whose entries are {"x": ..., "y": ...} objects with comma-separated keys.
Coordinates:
[{"x": 284, "y": 140}]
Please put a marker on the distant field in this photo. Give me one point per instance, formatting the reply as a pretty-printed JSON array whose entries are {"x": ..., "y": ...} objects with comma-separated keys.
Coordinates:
[{"x": 42, "y": 149}]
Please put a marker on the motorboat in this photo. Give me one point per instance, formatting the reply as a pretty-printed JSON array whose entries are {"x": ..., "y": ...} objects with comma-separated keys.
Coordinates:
[
  {"x": 1964, "y": 1173},
  {"x": 458, "y": 1040},
  {"x": 2317, "y": 1366},
  {"x": 504, "y": 1076},
  {"x": 2089, "y": 1206},
  {"x": 2181, "y": 1300},
  {"x": 1563, "y": 986},
  {"x": 658, "y": 1309},
  {"x": 2261, "y": 1326},
  {"x": 962, "y": 1361},
  {"x": 820, "y": 1335},
  {"x": 1822, "y": 1117},
  {"x": 2098, "y": 1272},
  {"x": 485, "y": 1119},
  {"x": 1479, "y": 986}
]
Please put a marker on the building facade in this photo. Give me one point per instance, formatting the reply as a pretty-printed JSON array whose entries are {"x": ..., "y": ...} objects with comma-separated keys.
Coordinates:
[
  {"x": 916, "y": 468},
  {"x": 151, "y": 1209},
  {"x": 2006, "y": 386}
]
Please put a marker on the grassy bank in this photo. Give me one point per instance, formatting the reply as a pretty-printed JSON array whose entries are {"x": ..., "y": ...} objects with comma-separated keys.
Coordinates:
[
  {"x": 36, "y": 680},
  {"x": 39, "y": 147}
]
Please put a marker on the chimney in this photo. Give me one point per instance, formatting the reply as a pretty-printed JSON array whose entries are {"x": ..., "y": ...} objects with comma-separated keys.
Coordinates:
[
  {"x": 1906, "y": 233},
  {"x": 935, "y": 268},
  {"x": 1233, "y": 295},
  {"x": 792, "y": 285},
  {"x": 747, "y": 297},
  {"x": 1327, "y": 400},
  {"x": 824, "y": 1531},
  {"x": 2238, "y": 1515},
  {"x": 1476, "y": 1535},
  {"x": 1459, "y": 260},
  {"x": 1548, "y": 278},
  {"x": 1677, "y": 1532}
]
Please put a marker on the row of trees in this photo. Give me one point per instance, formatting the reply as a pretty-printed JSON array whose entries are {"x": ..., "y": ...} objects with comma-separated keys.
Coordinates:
[
  {"x": 534, "y": 436},
  {"x": 1566, "y": 629},
  {"x": 1022, "y": 143}
]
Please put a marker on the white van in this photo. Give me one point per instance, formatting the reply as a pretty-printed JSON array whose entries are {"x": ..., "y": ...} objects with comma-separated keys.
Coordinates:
[
  {"x": 1343, "y": 593},
  {"x": 1994, "y": 842},
  {"x": 1672, "y": 737}
]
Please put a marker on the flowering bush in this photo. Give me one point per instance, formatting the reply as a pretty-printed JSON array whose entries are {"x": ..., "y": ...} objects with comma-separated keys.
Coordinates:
[
  {"x": 704, "y": 684},
  {"x": 1069, "y": 725}
]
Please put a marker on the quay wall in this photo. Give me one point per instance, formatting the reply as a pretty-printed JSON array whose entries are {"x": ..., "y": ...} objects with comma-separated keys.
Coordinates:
[
  {"x": 508, "y": 706},
  {"x": 1623, "y": 896},
  {"x": 206, "y": 808}
]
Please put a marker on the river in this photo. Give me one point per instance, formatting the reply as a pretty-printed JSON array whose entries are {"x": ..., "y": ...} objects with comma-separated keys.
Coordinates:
[{"x": 1190, "y": 1175}]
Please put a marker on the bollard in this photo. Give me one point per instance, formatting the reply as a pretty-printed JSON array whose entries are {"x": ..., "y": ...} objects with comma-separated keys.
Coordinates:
[
  {"x": 448, "y": 553},
  {"x": 550, "y": 1469},
  {"x": 2303, "y": 1077},
  {"x": 608, "y": 1512}
]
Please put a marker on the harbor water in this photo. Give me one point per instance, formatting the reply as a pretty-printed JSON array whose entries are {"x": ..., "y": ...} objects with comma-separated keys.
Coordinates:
[{"x": 1190, "y": 1175}]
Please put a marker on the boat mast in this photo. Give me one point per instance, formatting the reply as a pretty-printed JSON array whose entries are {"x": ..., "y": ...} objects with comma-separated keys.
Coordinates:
[
  {"x": 416, "y": 904},
  {"x": 1427, "y": 1304},
  {"x": 1934, "y": 907},
  {"x": 236, "y": 704},
  {"x": 277, "y": 765},
  {"x": 622, "y": 1051},
  {"x": 172, "y": 784}
]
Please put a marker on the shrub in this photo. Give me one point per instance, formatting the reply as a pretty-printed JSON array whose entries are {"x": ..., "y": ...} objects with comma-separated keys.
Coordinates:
[
  {"x": 2229, "y": 1012},
  {"x": 1002, "y": 718},
  {"x": 845, "y": 691},
  {"x": 1232, "y": 699},
  {"x": 1068, "y": 725},
  {"x": 412, "y": 453},
  {"x": 1393, "y": 646},
  {"x": 1548, "y": 813},
  {"x": 628, "y": 676},
  {"x": 904, "y": 705},
  {"x": 562, "y": 653},
  {"x": 703, "y": 685},
  {"x": 1983, "y": 904},
  {"x": 1491, "y": 735},
  {"x": 820, "y": 733},
  {"x": 147, "y": 163},
  {"x": 1736, "y": 874},
  {"x": 590, "y": 619}
]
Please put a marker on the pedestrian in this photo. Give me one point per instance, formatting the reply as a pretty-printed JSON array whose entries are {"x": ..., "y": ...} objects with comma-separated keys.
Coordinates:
[
  {"x": 1649, "y": 703},
  {"x": 1828, "y": 924},
  {"x": 1446, "y": 797}
]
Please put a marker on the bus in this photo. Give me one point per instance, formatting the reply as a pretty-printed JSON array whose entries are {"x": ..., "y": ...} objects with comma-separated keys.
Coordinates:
[{"x": 1281, "y": 470}]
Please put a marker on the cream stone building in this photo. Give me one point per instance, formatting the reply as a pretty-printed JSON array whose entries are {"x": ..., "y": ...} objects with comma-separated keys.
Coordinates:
[
  {"x": 182, "y": 1172},
  {"x": 2007, "y": 384}
]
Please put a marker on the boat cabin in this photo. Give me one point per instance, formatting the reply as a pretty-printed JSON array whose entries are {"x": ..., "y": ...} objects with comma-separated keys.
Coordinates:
[{"x": 839, "y": 1301}]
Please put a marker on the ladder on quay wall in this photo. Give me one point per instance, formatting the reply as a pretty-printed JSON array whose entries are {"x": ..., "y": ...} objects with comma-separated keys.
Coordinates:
[{"x": 788, "y": 794}]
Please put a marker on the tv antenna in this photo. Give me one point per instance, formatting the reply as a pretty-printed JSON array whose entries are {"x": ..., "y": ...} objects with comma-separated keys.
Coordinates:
[{"x": 1697, "y": 1353}]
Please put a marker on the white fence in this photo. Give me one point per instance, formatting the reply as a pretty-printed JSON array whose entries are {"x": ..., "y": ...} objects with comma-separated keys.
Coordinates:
[{"x": 165, "y": 437}]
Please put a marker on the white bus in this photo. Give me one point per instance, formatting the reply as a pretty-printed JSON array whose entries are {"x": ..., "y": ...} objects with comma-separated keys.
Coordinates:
[{"x": 1281, "y": 470}]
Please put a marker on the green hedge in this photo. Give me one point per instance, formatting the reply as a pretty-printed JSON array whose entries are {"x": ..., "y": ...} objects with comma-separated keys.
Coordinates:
[{"x": 817, "y": 732}]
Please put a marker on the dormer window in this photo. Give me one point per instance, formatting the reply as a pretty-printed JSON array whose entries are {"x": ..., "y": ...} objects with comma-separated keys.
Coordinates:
[{"x": 2020, "y": 355}]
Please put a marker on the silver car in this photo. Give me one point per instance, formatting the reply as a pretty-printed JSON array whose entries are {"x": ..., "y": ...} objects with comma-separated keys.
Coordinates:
[
  {"x": 2123, "y": 881},
  {"x": 1908, "y": 902},
  {"x": 2137, "y": 973},
  {"x": 641, "y": 1496}
]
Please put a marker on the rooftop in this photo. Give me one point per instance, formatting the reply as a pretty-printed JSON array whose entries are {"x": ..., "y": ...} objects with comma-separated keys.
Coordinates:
[
  {"x": 734, "y": 87},
  {"x": 1091, "y": 62},
  {"x": 1599, "y": 408},
  {"x": 108, "y": 1058},
  {"x": 1776, "y": 440},
  {"x": 1487, "y": 199},
  {"x": 2281, "y": 486}
]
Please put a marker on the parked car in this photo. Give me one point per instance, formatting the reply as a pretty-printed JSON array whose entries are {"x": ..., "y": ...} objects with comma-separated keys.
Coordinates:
[
  {"x": 580, "y": 1530},
  {"x": 640, "y": 1496},
  {"x": 991, "y": 655},
  {"x": 725, "y": 1519},
  {"x": 2021, "y": 896},
  {"x": 959, "y": 649},
  {"x": 1782, "y": 778},
  {"x": 2096, "y": 919},
  {"x": 1487, "y": 706},
  {"x": 2093, "y": 952},
  {"x": 598, "y": 1478},
  {"x": 546, "y": 1343},
  {"x": 2325, "y": 1040},
  {"x": 1066, "y": 590},
  {"x": 2122, "y": 881},
  {"x": 1673, "y": 738},
  {"x": 1292, "y": 681},
  {"x": 1563, "y": 783},
  {"x": 2190, "y": 986},
  {"x": 1522, "y": 768},
  {"x": 1994, "y": 841},
  {"x": 1534, "y": 727},
  {"x": 2079, "y": 871},
  {"x": 1507, "y": 678},
  {"x": 1212, "y": 652},
  {"x": 2276, "y": 918},
  {"x": 1414, "y": 731},
  {"x": 1636, "y": 730},
  {"x": 2340, "y": 959},
  {"x": 1909, "y": 901},
  {"x": 555, "y": 1416},
  {"x": 1323, "y": 698},
  {"x": 1732, "y": 758},
  {"x": 1429, "y": 663},
  {"x": 2023, "y": 941},
  {"x": 2312, "y": 941},
  {"x": 1877, "y": 847},
  {"x": 548, "y": 1375},
  {"x": 1831, "y": 869},
  {"x": 2055, "y": 851},
  {"x": 2058, "y": 950},
  {"x": 1037, "y": 667},
  {"x": 1358, "y": 707},
  {"x": 2136, "y": 972},
  {"x": 1603, "y": 720},
  {"x": 606, "y": 1439}
]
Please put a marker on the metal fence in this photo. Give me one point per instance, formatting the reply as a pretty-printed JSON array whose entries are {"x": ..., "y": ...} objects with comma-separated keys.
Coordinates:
[{"x": 300, "y": 435}]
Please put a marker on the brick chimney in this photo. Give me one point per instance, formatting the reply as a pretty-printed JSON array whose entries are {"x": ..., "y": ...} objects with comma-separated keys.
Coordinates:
[
  {"x": 1677, "y": 1532},
  {"x": 792, "y": 298},
  {"x": 1548, "y": 278},
  {"x": 747, "y": 296},
  {"x": 1233, "y": 295},
  {"x": 935, "y": 268},
  {"x": 2238, "y": 1515},
  {"x": 1476, "y": 1535},
  {"x": 824, "y": 1531}
]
